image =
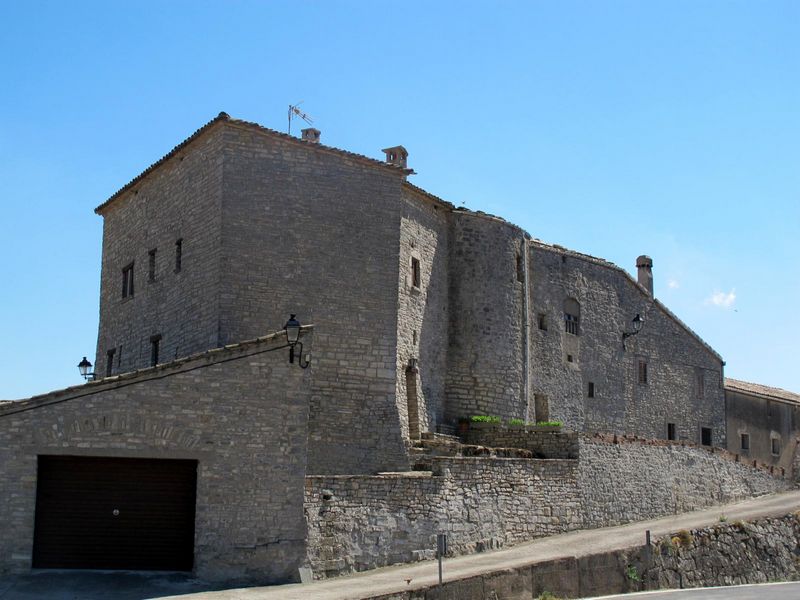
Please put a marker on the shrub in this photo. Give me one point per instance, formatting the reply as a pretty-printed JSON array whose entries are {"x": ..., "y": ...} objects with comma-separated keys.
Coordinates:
[
  {"x": 517, "y": 422},
  {"x": 685, "y": 538},
  {"x": 632, "y": 573},
  {"x": 548, "y": 596},
  {"x": 723, "y": 518},
  {"x": 485, "y": 419},
  {"x": 549, "y": 423}
]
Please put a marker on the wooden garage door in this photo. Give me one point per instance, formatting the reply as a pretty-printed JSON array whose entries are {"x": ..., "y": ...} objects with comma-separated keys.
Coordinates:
[{"x": 114, "y": 513}]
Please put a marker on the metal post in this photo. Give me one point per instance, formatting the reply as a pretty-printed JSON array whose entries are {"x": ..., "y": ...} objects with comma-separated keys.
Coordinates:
[
  {"x": 441, "y": 549},
  {"x": 647, "y": 537}
]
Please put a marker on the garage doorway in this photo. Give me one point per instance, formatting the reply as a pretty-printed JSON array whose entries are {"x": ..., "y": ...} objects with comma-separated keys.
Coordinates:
[{"x": 114, "y": 513}]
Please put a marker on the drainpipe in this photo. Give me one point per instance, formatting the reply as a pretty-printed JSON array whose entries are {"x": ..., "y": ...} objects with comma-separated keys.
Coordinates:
[{"x": 526, "y": 336}]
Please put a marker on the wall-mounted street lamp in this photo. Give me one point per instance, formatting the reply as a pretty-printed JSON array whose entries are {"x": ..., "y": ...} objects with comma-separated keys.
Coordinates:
[
  {"x": 292, "y": 329},
  {"x": 637, "y": 323},
  {"x": 84, "y": 367}
]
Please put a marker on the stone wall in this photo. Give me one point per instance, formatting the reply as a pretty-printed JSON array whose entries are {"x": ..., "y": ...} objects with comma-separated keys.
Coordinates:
[
  {"x": 734, "y": 553},
  {"x": 240, "y": 412},
  {"x": 543, "y": 444},
  {"x": 180, "y": 200},
  {"x": 563, "y": 364},
  {"x": 635, "y": 480},
  {"x": 357, "y": 522},
  {"x": 485, "y": 359},
  {"x": 422, "y": 313}
]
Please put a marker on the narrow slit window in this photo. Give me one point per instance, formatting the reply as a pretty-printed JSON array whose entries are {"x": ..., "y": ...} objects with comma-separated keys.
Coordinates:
[
  {"x": 776, "y": 446},
  {"x": 151, "y": 265},
  {"x": 590, "y": 390},
  {"x": 178, "y": 255},
  {"x": 416, "y": 275},
  {"x": 127, "y": 281},
  {"x": 671, "y": 434},
  {"x": 155, "y": 343},
  {"x": 541, "y": 320},
  {"x": 700, "y": 387},
  {"x": 520, "y": 269},
  {"x": 109, "y": 362}
]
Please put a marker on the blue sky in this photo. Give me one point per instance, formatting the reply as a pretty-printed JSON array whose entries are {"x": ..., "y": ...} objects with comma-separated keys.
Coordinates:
[{"x": 613, "y": 128}]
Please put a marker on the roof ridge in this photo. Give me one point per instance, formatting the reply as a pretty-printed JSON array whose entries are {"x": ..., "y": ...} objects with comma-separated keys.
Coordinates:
[{"x": 225, "y": 117}]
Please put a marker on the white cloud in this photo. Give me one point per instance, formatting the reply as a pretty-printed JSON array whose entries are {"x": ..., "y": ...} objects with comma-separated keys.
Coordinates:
[
  {"x": 722, "y": 299},
  {"x": 673, "y": 284}
]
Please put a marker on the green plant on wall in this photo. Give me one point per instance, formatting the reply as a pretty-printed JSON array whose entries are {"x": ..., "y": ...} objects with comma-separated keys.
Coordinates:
[
  {"x": 549, "y": 423},
  {"x": 632, "y": 573},
  {"x": 485, "y": 419},
  {"x": 516, "y": 422}
]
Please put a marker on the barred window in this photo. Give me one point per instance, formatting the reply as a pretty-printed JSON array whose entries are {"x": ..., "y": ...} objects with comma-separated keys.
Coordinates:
[
  {"x": 572, "y": 315},
  {"x": 642, "y": 372}
]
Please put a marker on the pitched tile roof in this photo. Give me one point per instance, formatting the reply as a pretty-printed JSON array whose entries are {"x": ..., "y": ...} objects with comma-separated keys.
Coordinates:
[
  {"x": 735, "y": 385},
  {"x": 224, "y": 117}
]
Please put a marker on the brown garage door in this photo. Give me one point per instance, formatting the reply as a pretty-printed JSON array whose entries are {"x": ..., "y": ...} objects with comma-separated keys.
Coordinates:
[{"x": 114, "y": 513}]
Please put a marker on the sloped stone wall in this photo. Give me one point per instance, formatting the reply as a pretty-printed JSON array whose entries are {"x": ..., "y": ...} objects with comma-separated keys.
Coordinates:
[{"x": 633, "y": 480}]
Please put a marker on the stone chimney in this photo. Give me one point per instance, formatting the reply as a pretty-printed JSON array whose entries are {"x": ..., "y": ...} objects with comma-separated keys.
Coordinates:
[
  {"x": 396, "y": 155},
  {"x": 311, "y": 135},
  {"x": 644, "y": 266}
]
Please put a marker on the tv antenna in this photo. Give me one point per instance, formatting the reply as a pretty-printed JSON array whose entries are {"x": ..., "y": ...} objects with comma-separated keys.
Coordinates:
[{"x": 294, "y": 111}]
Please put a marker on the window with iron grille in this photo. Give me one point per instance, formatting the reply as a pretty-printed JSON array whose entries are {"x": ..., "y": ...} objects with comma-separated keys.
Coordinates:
[
  {"x": 642, "y": 370},
  {"x": 572, "y": 315}
]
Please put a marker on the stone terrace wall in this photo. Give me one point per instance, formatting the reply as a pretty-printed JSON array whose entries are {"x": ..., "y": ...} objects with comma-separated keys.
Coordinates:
[
  {"x": 363, "y": 522},
  {"x": 634, "y": 480},
  {"x": 728, "y": 554},
  {"x": 543, "y": 444}
]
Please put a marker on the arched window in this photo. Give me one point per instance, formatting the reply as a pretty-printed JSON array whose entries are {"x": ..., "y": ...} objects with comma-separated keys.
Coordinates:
[{"x": 572, "y": 316}]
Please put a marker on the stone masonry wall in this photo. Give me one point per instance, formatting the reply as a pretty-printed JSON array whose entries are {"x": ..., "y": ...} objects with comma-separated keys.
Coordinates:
[
  {"x": 563, "y": 365},
  {"x": 241, "y": 413},
  {"x": 543, "y": 444},
  {"x": 357, "y": 522},
  {"x": 422, "y": 312},
  {"x": 180, "y": 200},
  {"x": 485, "y": 370},
  {"x": 731, "y": 553},
  {"x": 306, "y": 230},
  {"x": 638, "y": 480}
]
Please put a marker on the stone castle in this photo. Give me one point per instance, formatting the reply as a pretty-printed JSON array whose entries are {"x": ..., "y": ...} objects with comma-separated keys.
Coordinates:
[
  {"x": 425, "y": 313},
  {"x": 421, "y": 315}
]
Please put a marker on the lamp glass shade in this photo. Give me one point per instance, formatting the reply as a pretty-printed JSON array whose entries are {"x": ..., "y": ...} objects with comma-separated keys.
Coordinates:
[
  {"x": 292, "y": 328},
  {"x": 84, "y": 366},
  {"x": 637, "y": 322}
]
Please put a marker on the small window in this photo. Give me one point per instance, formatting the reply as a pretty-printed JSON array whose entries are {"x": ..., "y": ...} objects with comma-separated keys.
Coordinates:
[
  {"x": 541, "y": 320},
  {"x": 178, "y": 255},
  {"x": 151, "y": 265},
  {"x": 590, "y": 390},
  {"x": 127, "y": 281},
  {"x": 705, "y": 436},
  {"x": 572, "y": 316},
  {"x": 745, "y": 441},
  {"x": 155, "y": 342},
  {"x": 671, "y": 434},
  {"x": 520, "y": 269},
  {"x": 642, "y": 370},
  {"x": 109, "y": 362},
  {"x": 700, "y": 387},
  {"x": 569, "y": 358},
  {"x": 776, "y": 446},
  {"x": 416, "y": 275}
]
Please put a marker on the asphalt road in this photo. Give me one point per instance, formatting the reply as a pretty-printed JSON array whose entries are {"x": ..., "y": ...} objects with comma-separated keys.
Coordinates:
[{"x": 764, "y": 591}]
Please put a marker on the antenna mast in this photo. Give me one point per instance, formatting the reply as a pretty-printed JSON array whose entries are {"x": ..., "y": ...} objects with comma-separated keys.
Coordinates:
[{"x": 294, "y": 111}]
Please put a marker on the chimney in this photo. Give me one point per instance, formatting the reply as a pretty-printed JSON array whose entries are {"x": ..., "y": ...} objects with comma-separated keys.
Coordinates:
[
  {"x": 644, "y": 266},
  {"x": 311, "y": 135},
  {"x": 396, "y": 155}
]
